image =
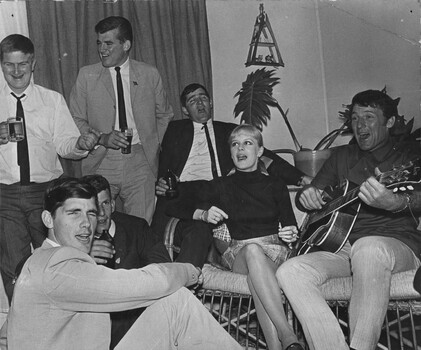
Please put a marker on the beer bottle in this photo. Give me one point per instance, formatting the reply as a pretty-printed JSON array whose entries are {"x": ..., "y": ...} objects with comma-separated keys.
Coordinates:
[
  {"x": 171, "y": 180},
  {"x": 105, "y": 236}
]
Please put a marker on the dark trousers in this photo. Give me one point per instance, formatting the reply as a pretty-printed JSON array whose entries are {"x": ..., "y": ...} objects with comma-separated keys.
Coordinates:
[
  {"x": 194, "y": 239},
  {"x": 20, "y": 225}
]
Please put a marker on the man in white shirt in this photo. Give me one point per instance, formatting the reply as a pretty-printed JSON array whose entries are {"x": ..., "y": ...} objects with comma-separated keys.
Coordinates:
[
  {"x": 62, "y": 297},
  {"x": 142, "y": 105},
  {"x": 49, "y": 130}
]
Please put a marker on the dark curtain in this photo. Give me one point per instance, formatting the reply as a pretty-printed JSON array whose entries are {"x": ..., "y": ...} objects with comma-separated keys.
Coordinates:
[{"x": 169, "y": 34}]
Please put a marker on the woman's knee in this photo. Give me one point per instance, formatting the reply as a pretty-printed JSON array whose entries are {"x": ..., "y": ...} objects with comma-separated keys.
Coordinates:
[{"x": 253, "y": 251}]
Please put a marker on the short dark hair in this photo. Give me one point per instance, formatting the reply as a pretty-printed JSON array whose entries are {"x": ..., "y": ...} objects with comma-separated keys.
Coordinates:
[
  {"x": 16, "y": 42},
  {"x": 125, "y": 31},
  {"x": 64, "y": 188},
  {"x": 189, "y": 89},
  {"x": 99, "y": 182},
  {"x": 376, "y": 99}
]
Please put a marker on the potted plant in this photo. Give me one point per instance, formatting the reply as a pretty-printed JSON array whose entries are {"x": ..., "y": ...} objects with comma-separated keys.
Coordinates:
[{"x": 254, "y": 101}]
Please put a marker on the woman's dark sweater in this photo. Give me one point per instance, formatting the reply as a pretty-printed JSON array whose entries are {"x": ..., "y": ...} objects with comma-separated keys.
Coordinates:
[{"x": 255, "y": 203}]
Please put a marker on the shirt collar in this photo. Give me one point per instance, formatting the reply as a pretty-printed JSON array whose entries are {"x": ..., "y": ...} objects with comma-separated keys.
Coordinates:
[
  {"x": 28, "y": 90},
  {"x": 112, "y": 228},
  {"x": 53, "y": 243},
  {"x": 381, "y": 153},
  {"x": 123, "y": 68},
  {"x": 197, "y": 125}
]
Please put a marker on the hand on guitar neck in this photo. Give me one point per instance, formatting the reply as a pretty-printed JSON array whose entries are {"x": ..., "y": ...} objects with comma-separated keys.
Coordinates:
[{"x": 375, "y": 194}]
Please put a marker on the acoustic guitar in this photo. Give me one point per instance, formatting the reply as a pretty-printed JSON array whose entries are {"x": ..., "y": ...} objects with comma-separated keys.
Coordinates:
[{"x": 328, "y": 228}]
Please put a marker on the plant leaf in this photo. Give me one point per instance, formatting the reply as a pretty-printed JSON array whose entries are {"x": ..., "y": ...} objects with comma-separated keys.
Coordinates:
[{"x": 255, "y": 97}]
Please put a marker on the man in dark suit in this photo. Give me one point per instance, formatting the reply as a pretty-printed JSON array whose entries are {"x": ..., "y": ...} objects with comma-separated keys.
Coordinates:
[
  {"x": 186, "y": 152},
  {"x": 132, "y": 239}
]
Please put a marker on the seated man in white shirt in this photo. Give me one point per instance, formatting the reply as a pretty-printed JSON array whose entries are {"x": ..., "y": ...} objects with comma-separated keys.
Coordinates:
[{"x": 62, "y": 297}]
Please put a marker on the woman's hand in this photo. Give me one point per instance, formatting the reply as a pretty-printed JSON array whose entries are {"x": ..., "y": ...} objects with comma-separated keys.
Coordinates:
[
  {"x": 288, "y": 234},
  {"x": 213, "y": 215}
]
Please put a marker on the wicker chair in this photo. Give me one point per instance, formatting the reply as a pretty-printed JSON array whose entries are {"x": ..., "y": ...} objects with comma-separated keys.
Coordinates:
[{"x": 227, "y": 296}]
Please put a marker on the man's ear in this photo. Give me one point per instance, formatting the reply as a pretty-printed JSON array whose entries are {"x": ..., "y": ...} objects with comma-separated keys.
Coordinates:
[
  {"x": 390, "y": 122},
  {"x": 112, "y": 205},
  {"x": 127, "y": 45},
  {"x": 34, "y": 63},
  {"x": 185, "y": 111},
  {"x": 47, "y": 219}
]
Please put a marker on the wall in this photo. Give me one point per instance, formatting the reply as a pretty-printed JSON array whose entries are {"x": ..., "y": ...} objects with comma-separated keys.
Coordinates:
[
  {"x": 331, "y": 50},
  {"x": 12, "y": 20}
]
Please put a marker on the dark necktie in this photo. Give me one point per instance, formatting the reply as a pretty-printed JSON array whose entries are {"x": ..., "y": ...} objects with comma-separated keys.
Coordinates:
[
  {"x": 121, "y": 106},
  {"x": 211, "y": 152},
  {"x": 23, "y": 157}
]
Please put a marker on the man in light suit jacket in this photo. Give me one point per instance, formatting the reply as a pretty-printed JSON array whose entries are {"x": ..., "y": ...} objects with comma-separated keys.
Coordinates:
[
  {"x": 94, "y": 103},
  {"x": 62, "y": 296},
  {"x": 132, "y": 241},
  {"x": 185, "y": 152}
]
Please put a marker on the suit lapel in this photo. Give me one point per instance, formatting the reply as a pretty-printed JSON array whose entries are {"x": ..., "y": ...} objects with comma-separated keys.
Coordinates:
[
  {"x": 135, "y": 82},
  {"x": 222, "y": 148},
  {"x": 186, "y": 142},
  {"x": 105, "y": 78}
]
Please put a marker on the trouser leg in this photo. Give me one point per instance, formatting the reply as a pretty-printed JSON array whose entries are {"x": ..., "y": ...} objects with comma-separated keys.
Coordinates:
[
  {"x": 194, "y": 239},
  {"x": 131, "y": 178},
  {"x": 301, "y": 279},
  {"x": 138, "y": 187},
  {"x": 178, "y": 321},
  {"x": 20, "y": 225},
  {"x": 373, "y": 260}
]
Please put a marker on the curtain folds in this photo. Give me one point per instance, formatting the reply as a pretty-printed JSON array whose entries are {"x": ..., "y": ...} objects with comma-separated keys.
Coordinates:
[{"x": 169, "y": 34}]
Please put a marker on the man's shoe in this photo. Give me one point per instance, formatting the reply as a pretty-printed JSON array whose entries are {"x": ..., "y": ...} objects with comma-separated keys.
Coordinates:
[{"x": 295, "y": 346}]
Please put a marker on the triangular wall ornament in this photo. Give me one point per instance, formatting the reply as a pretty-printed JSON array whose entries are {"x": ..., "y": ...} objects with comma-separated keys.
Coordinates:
[{"x": 263, "y": 49}]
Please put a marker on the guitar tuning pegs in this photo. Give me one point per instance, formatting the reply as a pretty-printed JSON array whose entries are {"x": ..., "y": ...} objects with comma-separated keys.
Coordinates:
[{"x": 410, "y": 187}]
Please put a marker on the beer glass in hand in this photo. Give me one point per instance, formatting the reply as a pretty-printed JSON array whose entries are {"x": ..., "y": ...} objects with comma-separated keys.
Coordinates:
[{"x": 128, "y": 133}]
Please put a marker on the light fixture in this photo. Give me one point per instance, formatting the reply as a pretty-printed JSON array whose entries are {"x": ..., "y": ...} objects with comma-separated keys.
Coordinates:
[{"x": 263, "y": 50}]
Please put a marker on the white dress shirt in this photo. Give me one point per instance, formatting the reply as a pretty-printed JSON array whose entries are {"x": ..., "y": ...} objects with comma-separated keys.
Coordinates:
[
  {"x": 50, "y": 131},
  {"x": 125, "y": 79},
  {"x": 198, "y": 165}
]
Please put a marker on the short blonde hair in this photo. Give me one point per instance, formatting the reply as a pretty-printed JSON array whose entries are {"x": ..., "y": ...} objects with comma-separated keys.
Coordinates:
[{"x": 250, "y": 129}]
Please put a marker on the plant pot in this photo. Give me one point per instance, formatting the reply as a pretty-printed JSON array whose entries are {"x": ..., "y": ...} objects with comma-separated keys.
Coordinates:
[{"x": 310, "y": 162}]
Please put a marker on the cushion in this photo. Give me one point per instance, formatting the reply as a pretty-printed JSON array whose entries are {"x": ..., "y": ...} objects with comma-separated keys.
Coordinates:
[{"x": 335, "y": 289}]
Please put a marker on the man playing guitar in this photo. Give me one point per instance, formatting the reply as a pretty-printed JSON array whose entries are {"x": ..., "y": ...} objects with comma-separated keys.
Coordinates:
[{"x": 383, "y": 239}]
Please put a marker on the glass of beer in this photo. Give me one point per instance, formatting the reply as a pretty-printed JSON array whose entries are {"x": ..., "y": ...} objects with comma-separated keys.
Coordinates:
[
  {"x": 128, "y": 133},
  {"x": 15, "y": 128}
]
